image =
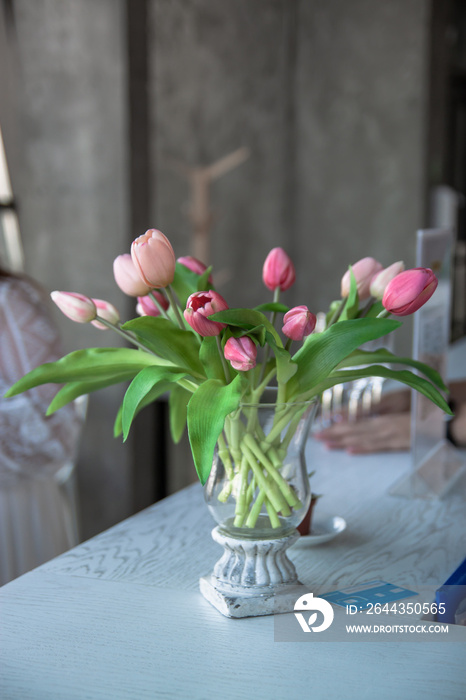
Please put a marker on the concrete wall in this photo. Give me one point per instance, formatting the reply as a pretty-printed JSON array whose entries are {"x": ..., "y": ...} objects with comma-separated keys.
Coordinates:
[
  {"x": 71, "y": 186},
  {"x": 329, "y": 97}
]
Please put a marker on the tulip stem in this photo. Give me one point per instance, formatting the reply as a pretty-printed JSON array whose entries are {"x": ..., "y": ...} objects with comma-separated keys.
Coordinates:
[
  {"x": 273, "y": 316},
  {"x": 261, "y": 387},
  {"x": 338, "y": 312},
  {"x": 367, "y": 308},
  {"x": 158, "y": 305},
  {"x": 256, "y": 509},
  {"x": 174, "y": 304},
  {"x": 276, "y": 296},
  {"x": 226, "y": 371},
  {"x": 383, "y": 314},
  {"x": 124, "y": 334}
]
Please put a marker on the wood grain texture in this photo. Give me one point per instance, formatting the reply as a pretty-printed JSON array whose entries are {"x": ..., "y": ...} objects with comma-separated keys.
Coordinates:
[
  {"x": 120, "y": 616},
  {"x": 135, "y": 549},
  {"x": 412, "y": 541},
  {"x": 96, "y": 639}
]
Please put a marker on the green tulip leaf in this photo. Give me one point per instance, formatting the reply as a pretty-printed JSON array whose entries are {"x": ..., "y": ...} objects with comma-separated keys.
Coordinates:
[
  {"x": 376, "y": 308},
  {"x": 273, "y": 306},
  {"x": 85, "y": 366},
  {"x": 203, "y": 284},
  {"x": 322, "y": 352},
  {"x": 351, "y": 308},
  {"x": 72, "y": 390},
  {"x": 258, "y": 333},
  {"x": 363, "y": 357},
  {"x": 178, "y": 406},
  {"x": 117, "y": 425},
  {"x": 179, "y": 346},
  {"x": 247, "y": 319},
  {"x": 211, "y": 360},
  {"x": 158, "y": 390},
  {"x": 207, "y": 410},
  {"x": 148, "y": 385},
  {"x": 404, "y": 376},
  {"x": 186, "y": 282},
  {"x": 286, "y": 368}
]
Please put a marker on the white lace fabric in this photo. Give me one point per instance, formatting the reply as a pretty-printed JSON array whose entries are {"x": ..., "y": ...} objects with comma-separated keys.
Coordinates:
[
  {"x": 31, "y": 444},
  {"x": 38, "y": 510}
]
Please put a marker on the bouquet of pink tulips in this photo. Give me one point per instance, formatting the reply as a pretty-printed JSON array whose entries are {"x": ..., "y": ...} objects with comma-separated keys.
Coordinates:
[{"x": 211, "y": 359}]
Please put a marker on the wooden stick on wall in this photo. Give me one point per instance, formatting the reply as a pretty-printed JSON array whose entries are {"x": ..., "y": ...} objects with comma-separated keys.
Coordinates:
[{"x": 199, "y": 212}]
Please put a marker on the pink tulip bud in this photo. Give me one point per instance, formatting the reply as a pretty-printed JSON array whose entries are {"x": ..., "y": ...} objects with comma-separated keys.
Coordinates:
[
  {"x": 76, "y": 306},
  {"x": 194, "y": 265},
  {"x": 364, "y": 270},
  {"x": 298, "y": 323},
  {"x": 127, "y": 277},
  {"x": 154, "y": 258},
  {"x": 199, "y": 306},
  {"x": 241, "y": 352},
  {"x": 146, "y": 307},
  {"x": 278, "y": 270},
  {"x": 381, "y": 279},
  {"x": 107, "y": 311},
  {"x": 409, "y": 290}
]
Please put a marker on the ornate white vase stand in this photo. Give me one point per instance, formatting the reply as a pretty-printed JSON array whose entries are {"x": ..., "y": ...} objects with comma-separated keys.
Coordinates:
[{"x": 253, "y": 577}]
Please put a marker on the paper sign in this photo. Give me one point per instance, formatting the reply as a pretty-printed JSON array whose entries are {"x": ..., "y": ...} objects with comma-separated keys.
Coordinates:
[{"x": 436, "y": 465}]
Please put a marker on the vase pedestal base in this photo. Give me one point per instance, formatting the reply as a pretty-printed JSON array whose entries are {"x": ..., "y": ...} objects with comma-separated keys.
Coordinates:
[
  {"x": 253, "y": 577},
  {"x": 245, "y": 604}
]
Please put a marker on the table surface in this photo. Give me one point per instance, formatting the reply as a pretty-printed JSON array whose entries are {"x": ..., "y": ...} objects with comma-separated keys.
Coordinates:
[{"x": 120, "y": 616}]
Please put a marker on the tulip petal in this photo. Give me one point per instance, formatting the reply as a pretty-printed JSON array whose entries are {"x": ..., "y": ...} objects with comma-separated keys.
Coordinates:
[
  {"x": 77, "y": 307},
  {"x": 363, "y": 270},
  {"x": 154, "y": 258},
  {"x": 199, "y": 307},
  {"x": 409, "y": 290},
  {"x": 128, "y": 278},
  {"x": 278, "y": 271},
  {"x": 241, "y": 353}
]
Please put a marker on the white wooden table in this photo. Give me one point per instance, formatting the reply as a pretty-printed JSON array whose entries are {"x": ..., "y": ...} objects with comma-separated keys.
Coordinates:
[{"x": 120, "y": 616}]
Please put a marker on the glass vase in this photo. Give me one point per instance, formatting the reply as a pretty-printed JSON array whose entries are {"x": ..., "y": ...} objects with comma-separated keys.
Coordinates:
[{"x": 259, "y": 487}]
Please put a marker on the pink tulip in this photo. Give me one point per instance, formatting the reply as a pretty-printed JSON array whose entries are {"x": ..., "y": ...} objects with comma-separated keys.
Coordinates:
[
  {"x": 77, "y": 307},
  {"x": 278, "y": 270},
  {"x": 194, "y": 265},
  {"x": 146, "y": 307},
  {"x": 199, "y": 306},
  {"x": 241, "y": 352},
  {"x": 298, "y": 323},
  {"x": 409, "y": 290},
  {"x": 106, "y": 311},
  {"x": 381, "y": 279},
  {"x": 364, "y": 270},
  {"x": 154, "y": 258},
  {"x": 128, "y": 278}
]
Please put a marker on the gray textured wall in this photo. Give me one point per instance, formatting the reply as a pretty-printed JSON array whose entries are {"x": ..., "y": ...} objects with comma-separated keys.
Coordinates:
[
  {"x": 72, "y": 193},
  {"x": 330, "y": 98}
]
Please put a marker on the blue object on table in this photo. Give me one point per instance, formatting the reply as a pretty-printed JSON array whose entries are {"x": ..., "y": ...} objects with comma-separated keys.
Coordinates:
[
  {"x": 451, "y": 594},
  {"x": 370, "y": 593}
]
